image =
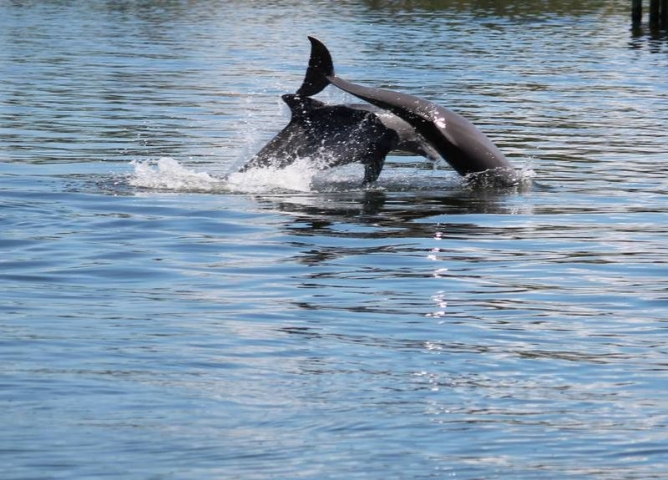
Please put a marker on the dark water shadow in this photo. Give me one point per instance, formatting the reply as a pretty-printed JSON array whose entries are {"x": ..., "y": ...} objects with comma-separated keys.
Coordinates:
[
  {"x": 492, "y": 8},
  {"x": 649, "y": 37},
  {"x": 387, "y": 214}
]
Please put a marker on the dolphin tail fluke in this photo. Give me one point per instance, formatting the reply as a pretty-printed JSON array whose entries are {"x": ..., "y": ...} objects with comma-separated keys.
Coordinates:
[{"x": 320, "y": 66}]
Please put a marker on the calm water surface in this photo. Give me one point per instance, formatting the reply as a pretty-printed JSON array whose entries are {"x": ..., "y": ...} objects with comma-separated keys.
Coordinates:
[{"x": 157, "y": 321}]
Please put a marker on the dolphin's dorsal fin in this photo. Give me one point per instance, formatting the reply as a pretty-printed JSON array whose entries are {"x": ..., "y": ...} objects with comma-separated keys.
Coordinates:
[
  {"x": 320, "y": 66},
  {"x": 299, "y": 105}
]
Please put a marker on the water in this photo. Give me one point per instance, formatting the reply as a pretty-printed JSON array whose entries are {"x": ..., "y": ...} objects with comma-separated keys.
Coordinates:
[{"x": 160, "y": 322}]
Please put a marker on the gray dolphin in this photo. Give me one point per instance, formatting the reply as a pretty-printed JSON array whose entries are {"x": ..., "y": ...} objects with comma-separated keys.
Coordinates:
[
  {"x": 329, "y": 135},
  {"x": 410, "y": 141},
  {"x": 334, "y": 135},
  {"x": 456, "y": 139}
]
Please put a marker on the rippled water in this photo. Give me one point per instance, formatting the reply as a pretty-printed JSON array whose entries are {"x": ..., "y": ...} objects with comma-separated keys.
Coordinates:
[{"x": 158, "y": 321}]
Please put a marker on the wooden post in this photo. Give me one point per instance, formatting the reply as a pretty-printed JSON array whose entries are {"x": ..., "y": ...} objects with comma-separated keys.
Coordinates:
[
  {"x": 664, "y": 14},
  {"x": 636, "y": 13},
  {"x": 654, "y": 9}
]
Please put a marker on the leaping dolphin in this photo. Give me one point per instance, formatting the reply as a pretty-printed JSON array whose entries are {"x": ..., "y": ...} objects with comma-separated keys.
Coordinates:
[
  {"x": 456, "y": 139},
  {"x": 328, "y": 135},
  {"x": 334, "y": 135}
]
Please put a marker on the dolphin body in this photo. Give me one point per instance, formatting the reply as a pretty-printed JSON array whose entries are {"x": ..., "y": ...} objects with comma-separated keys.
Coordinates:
[
  {"x": 457, "y": 140},
  {"x": 329, "y": 135},
  {"x": 334, "y": 135}
]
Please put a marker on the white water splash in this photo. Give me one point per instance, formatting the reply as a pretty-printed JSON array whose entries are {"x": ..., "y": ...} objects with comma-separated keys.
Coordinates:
[
  {"x": 303, "y": 176},
  {"x": 168, "y": 174},
  {"x": 297, "y": 177}
]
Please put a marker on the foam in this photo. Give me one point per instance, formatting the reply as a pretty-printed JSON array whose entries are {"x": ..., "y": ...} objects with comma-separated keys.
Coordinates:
[
  {"x": 303, "y": 176},
  {"x": 297, "y": 177},
  {"x": 168, "y": 174}
]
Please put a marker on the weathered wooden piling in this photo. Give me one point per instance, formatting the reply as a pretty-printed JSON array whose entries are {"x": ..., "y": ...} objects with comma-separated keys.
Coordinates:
[
  {"x": 658, "y": 14},
  {"x": 654, "y": 13},
  {"x": 636, "y": 13}
]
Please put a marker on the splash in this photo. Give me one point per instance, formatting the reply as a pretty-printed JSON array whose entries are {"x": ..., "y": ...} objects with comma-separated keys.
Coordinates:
[
  {"x": 168, "y": 174},
  {"x": 502, "y": 178},
  {"x": 297, "y": 177},
  {"x": 304, "y": 176}
]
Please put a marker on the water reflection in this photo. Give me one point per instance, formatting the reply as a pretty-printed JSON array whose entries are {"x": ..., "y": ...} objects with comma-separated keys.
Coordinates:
[
  {"x": 386, "y": 210},
  {"x": 654, "y": 40},
  {"x": 500, "y": 8}
]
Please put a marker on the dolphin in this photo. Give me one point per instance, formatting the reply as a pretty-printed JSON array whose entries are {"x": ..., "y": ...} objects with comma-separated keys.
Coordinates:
[
  {"x": 456, "y": 139},
  {"x": 330, "y": 136},
  {"x": 410, "y": 141},
  {"x": 334, "y": 135}
]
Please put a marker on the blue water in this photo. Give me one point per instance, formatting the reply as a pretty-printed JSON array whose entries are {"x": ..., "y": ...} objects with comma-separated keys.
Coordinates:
[{"x": 158, "y": 321}]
